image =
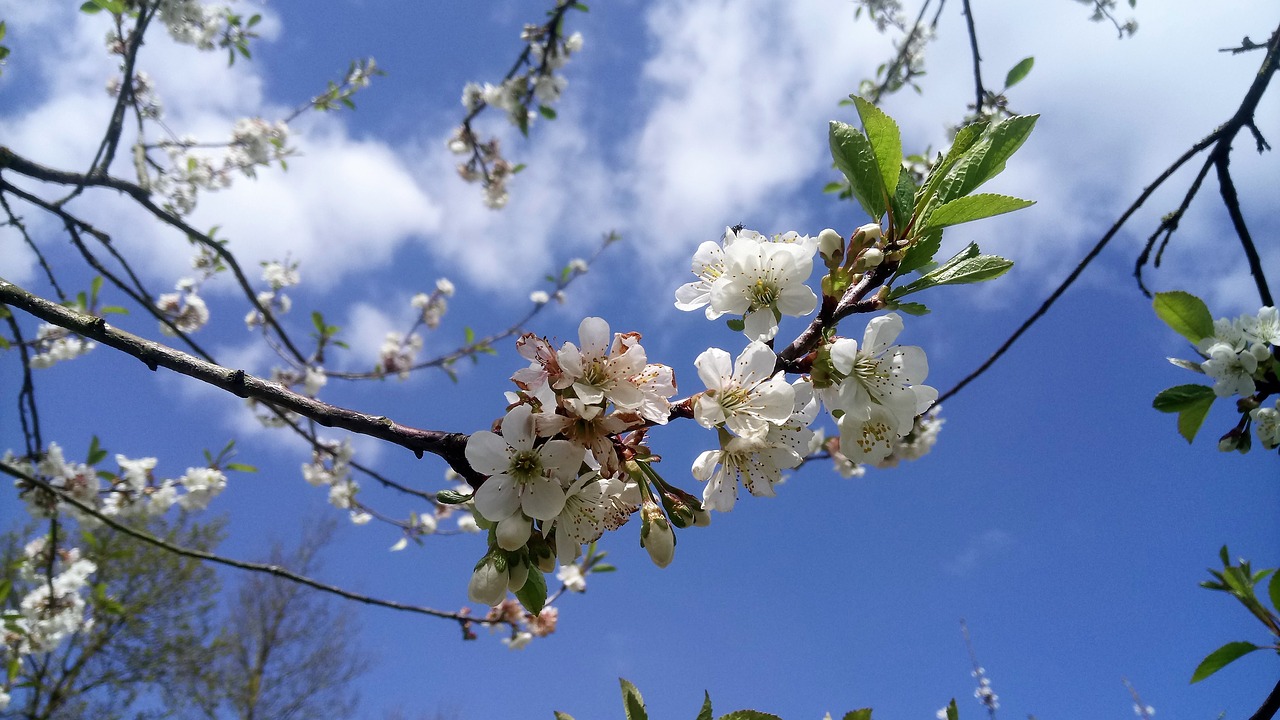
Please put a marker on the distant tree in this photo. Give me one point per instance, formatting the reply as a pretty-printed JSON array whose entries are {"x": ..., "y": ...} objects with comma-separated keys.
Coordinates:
[
  {"x": 287, "y": 651},
  {"x": 151, "y": 626}
]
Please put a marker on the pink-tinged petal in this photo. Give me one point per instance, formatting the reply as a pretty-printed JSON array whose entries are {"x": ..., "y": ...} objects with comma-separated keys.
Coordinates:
[
  {"x": 487, "y": 453},
  {"x": 562, "y": 459},
  {"x": 797, "y": 300},
  {"x": 593, "y": 336},
  {"x": 513, "y": 532},
  {"x": 754, "y": 365},
  {"x": 909, "y": 365},
  {"x": 518, "y": 428},
  {"x": 760, "y": 324},
  {"x": 881, "y": 332},
  {"x": 632, "y": 362},
  {"x": 714, "y": 368},
  {"x": 497, "y": 499},
  {"x": 542, "y": 499}
]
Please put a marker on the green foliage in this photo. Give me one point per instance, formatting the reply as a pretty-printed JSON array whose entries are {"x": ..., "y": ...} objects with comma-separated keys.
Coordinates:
[
  {"x": 1239, "y": 580},
  {"x": 533, "y": 594},
  {"x": 634, "y": 708},
  {"x": 1185, "y": 313},
  {"x": 1018, "y": 72},
  {"x": 974, "y": 207},
  {"x": 855, "y": 158},
  {"x": 1191, "y": 402},
  {"x": 964, "y": 268}
]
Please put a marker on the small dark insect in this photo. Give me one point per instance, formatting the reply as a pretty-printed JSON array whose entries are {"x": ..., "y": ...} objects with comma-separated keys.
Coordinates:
[{"x": 738, "y": 228}]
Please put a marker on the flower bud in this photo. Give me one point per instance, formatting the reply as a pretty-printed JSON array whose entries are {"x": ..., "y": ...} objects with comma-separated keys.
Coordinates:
[
  {"x": 831, "y": 245},
  {"x": 517, "y": 574},
  {"x": 680, "y": 505},
  {"x": 656, "y": 535},
  {"x": 513, "y": 532},
  {"x": 870, "y": 235},
  {"x": 488, "y": 584},
  {"x": 541, "y": 553},
  {"x": 702, "y": 518},
  {"x": 871, "y": 257},
  {"x": 1237, "y": 440}
]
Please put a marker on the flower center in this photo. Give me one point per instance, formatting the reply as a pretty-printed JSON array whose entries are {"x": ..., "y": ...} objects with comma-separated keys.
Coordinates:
[
  {"x": 763, "y": 294},
  {"x": 526, "y": 466}
]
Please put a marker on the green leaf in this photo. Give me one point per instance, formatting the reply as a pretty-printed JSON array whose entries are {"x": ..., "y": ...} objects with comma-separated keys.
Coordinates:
[
  {"x": 533, "y": 594},
  {"x": 982, "y": 161},
  {"x": 1185, "y": 313},
  {"x": 953, "y": 712},
  {"x": 854, "y": 157},
  {"x": 903, "y": 201},
  {"x": 242, "y": 467},
  {"x": 1018, "y": 72},
  {"x": 1273, "y": 589},
  {"x": 468, "y": 336},
  {"x": 547, "y": 112},
  {"x": 965, "y": 268},
  {"x": 1222, "y": 657},
  {"x": 563, "y": 715},
  {"x": 749, "y": 715},
  {"x": 911, "y": 308},
  {"x": 1182, "y": 397},
  {"x": 833, "y": 186},
  {"x": 113, "y": 310},
  {"x": 632, "y": 702},
  {"x": 964, "y": 139},
  {"x": 886, "y": 141},
  {"x": 703, "y": 714},
  {"x": 921, "y": 252},
  {"x": 112, "y": 6},
  {"x": 3, "y": 29},
  {"x": 974, "y": 207},
  {"x": 96, "y": 453},
  {"x": 736, "y": 324},
  {"x": 863, "y": 714},
  {"x": 452, "y": 497},
  {"x": 90, "y": 7}
]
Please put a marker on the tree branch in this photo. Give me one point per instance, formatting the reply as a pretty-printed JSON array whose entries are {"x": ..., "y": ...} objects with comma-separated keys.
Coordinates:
[{"x": 450, "y": 446}]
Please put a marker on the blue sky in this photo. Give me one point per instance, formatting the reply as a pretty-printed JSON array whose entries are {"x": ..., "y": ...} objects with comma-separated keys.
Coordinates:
[{"x": 1059, "y": 514}]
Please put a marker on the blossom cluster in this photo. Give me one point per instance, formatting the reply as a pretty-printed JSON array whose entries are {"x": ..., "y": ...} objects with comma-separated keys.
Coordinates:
[
  {"x": 330, "y": 467},
  {"x": 278, "y": 276},
  {"x": 55, "y": 606},
  {"x": 1240, "y": 359},
  {"x": 557, "y": 461},
  {"x": 254, "y": 143},
  {"x": 527, "y": 92},
  {"x": 185, "y": 309},
  {"x": 134, "y": 492},
  {"x": 55, "y": 344}
]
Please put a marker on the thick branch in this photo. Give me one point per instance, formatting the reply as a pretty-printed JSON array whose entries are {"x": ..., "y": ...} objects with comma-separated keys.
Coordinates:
[{"x": 450, "y": 446}]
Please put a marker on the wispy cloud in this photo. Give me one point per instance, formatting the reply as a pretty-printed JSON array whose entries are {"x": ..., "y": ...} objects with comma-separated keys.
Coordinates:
[{"x": 979, "y": 550}]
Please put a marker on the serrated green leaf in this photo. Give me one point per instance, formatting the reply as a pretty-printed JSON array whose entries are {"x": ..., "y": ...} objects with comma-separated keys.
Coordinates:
[
  {"x": 533, "y": 594},
  {"x": 736, "y": 324},
  {"x": 903, "y": 201},
  {"x": 862, "y": 714},
  {"x": 749, "y": 715},
  {"x": 705, "y": 712},
  {"x": 1185, "y": 313},
  {"x": 886, "y": 142},
  {"x": 1220, "y": 658},
  {"x": 1018, "y": 72},
  {"x": 854, "y": 157},
  {"x": 452, "y": 497},
  {"x": 921, "y": 252},
  {"x": 964, "y": 139},
  {"x": 632, "y": 702},
  {"x": 1182, "y": 397},
  {"x": 982, "y": 161},
  {"x": 974, "y": 207},
  {"x": 965, "y": 268}
]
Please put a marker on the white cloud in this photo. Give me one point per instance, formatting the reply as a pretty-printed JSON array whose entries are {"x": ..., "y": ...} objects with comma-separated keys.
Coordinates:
[{"x": 977, "y": 551}]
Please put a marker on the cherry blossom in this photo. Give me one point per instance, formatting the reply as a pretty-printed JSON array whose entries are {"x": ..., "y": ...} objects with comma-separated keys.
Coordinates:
[
  {"x": 524, "y": 477},
  {"x": 746, "y": 395}
]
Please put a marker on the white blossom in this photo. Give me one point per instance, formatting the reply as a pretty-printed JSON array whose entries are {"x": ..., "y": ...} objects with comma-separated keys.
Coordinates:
[{"x": 745, "y": 396}]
